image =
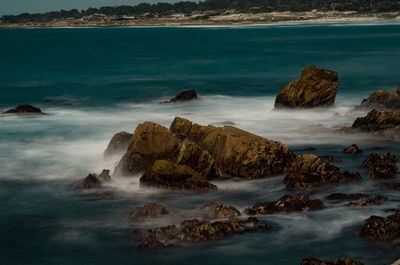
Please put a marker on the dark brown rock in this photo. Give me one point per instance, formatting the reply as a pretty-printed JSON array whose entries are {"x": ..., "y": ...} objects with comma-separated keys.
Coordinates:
[
  {"x": 90, "y": 182},
  {"x": 352, "y": 149},
  {"x": 286, "y": 204},
  {"x": 24, "y": 109},
  {"x": 382, "y": 100},
  {"x": 378, "y": 120},
  {"x": 191, "y": 232},
  {"x": 382, "y": 229},
  {"x": 381, "y": 166},
  {"x": 309, "y": 171},
  {"x": 184, "y": 96},
  {"x": 168, "y": 175},
  {"x": 119, "y": 144},
  {"x": 148, "y": 211},
  {"x": 219, "y": 210},
  {"x": 347, "y": 197},
  {"x": 316, "y": 88},
  {"x": 343, "y": 261}
]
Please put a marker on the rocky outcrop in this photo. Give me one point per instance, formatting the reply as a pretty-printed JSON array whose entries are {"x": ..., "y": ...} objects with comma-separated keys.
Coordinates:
[
  {"x": 90, "y": 182},
  {"x": 148, "y": 211},
  {"x": 237, "y": 152},
  {"x": 382, "y": 229},
  {"x": 381, "y": 166},
  {"x": 219, "y": 210},
  {"x": 286, "y": 204},
  {"x": 363, "y": 203},
  {"x": 150, "y": 142},
  {"x": 104, "y": 176},
  {"x": 168, "y": 175},
  {"x": 378, "y": 120},
  {"x": 352, "y": 149},
  {"x": 119, "y": 144},
  {"x": 192, "y": 232},
  {"x": 309, "y": 171},
  {"x": 316, "y": 88},
  {"x": 343, "y": 261},
  {"x": 24, "y": 109},
  {"x": 183, "y": 96},
  {"x": 382, "y": 100},
  {"x": 347, "y": 197}
]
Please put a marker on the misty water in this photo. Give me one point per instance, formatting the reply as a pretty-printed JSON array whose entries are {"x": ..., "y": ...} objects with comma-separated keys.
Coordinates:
[{"x": 93, "y": 83}]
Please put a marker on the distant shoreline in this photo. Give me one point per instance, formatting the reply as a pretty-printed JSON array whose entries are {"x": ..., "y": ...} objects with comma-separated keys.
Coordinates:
[{"x": 272, "y": 18}]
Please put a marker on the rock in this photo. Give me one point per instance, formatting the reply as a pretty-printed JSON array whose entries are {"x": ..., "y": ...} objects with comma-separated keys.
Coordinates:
[
  {"x": 90, "y": 182},
  {"x": 183, "y": 96},
  {"x": 168, "y": 175},
  {"x": 286, "y": 204},
  {"x": 382, "y": 100},
  {"x": 192, "y": 155},
  {"x": 362, "y": 203},
  {"x": 219, "y": 210},
  {"x": 148, "y": 211},
  {"x": 104, "y": 176},
  {"x": 24, "y": 109},
  {"x": 237, "y": 152},
  {"x": 381, "y": 166},
  {"x": 347, "y": 197},
  {"x": 150, "y": 142},
  {"x": 316, "y": 88},
  {"x": 381, "y": 229},
  {"x": 191, "y": 232},
  {"x": 309, "y": 171},
  {"x": 343, "y": 261},
  {"x": 119, "y": 144},
  {"x": 352, "y": 149},
  {"x": 378, "y": 120}
]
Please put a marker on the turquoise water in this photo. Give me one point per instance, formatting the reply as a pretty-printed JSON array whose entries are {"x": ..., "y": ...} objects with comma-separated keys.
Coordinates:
[{"x": 101, "y": 81}]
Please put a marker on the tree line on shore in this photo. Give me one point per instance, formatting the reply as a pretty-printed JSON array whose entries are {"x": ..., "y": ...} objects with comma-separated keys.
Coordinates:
[{"x": 218, "y": 6}]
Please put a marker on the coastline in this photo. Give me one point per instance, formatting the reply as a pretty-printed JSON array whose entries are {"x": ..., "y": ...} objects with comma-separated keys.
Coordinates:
[{"x": 272, "y": 18}]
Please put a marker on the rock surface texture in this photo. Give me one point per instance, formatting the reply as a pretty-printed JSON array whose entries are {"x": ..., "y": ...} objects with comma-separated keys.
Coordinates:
[
  {"x": 381, "y": 166},
  {"x": 382, "y": 229},
  {"x": 316, "y": 88},
  {"x": 378, "y": 120},
  {"x": 119, "y": 144},
  {"x": 148, "y": 211},
  {"x": 24, "y": 109},
  {"x": 219, "y": 210},
  {"x": 382, "y": 100},
  {"x": 343, "y": 261}
]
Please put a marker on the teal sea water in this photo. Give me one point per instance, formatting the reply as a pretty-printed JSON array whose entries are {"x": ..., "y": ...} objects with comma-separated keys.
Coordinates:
[{"x": 96, "y": 82}]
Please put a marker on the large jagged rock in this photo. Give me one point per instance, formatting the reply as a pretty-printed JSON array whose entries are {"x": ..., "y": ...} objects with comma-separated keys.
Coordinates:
[
  {"x": 382, "y": 229},
  {"x": 381, "y": 166},
  {"x": 219, "y": 210},
  {"x": 191, "y": 232},
  {"x": 119, "y": 144},
  {"x": 237, "y": 152},
  {"x": 382, "y": 100},
  {"x": 150, "y": 142},
  {"x": 183, "y": 96},
  {"x": 24, "y": 109},
  {"x": 343, "y": 261},
  {"x": 378, "y": 120},
  {"x": 286, "y": 204},
  {"x": 309, "y": 171},
  {"x": 148, "y": 211},
  {"x": 168, "y": 175},
  {"x": 316, "y": 88}
]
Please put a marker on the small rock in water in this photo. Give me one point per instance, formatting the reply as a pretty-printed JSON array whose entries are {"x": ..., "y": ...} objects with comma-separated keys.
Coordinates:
[
  {"x": 90, "y": 182},
  {"x": 148, "y": 211},
  {"x": 343, "y": 261},
  {"x": 218, "y": 210},
  {"x": 183, "y": 96},
  {"x": 352, "y": 149},
  {"x": 105, "y": 176},
  {"x": 24, "y": 109},
  {"x": 381, "y": 166},
  {"x": 347, "y": 197},
  {"x": 382, "y": 229}
]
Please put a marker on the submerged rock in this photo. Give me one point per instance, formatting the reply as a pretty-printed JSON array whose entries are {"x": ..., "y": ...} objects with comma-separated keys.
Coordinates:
[
  {"x": 382, "y": 229},
  {"x": 309, "y": 171},
  {"x": 119, "y": 144},
  {"x": 286, "y": 204},
  {"x": 219, "y": 210},
  {"x": 316, "y": 88},
  {"x": 148, "y": 211},
  {"x": 372, "y": 202},
  {"x": 381, "y": 166},
  {"x": 343, "y": 261},
  {"x": 382, "y": 100},
  {"x": 378, "y": 120},
  {"x": 347, "y": 197},
  {"x": 327, "y": 159},
  {"x": 24, "y": 109},
  {"x": 237, "y": 152},
  {"x": 168, "y": 175},
  {"x": 352, "y": 149},
  {"x": 191, "y": 232},
  {"x": 183, "y": 96},
  {"x": 90, "y": 182}
]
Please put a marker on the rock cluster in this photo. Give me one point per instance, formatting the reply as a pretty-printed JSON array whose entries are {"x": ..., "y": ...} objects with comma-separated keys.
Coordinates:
[
  {"x": 382, "y": 100},
  {"x": 382, "y": 229},
  {"x": 343, "y": 261},
  {"x": 316, "y": 88},
  {"x": 219, "y": 210},
  {"x": 119, "y": 144},
  {"x": 148, "y": 211},
  {"x": 183, "y": 96},
  {"x": 93, "y": 181},
  {"x": 381, "y": 166},
  {"x": 378, "y": 120},
  {"x": 352, "y": 149},
  {"x": 191, "y": 232},
  {"x": 24, "y": 109},
  {"x": 285, "y": 204},
  {"x": 309, "y": 171}
]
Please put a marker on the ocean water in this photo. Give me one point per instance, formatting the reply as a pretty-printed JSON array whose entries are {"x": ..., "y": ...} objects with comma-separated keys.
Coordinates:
[{"x": 96, "y": 82}]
